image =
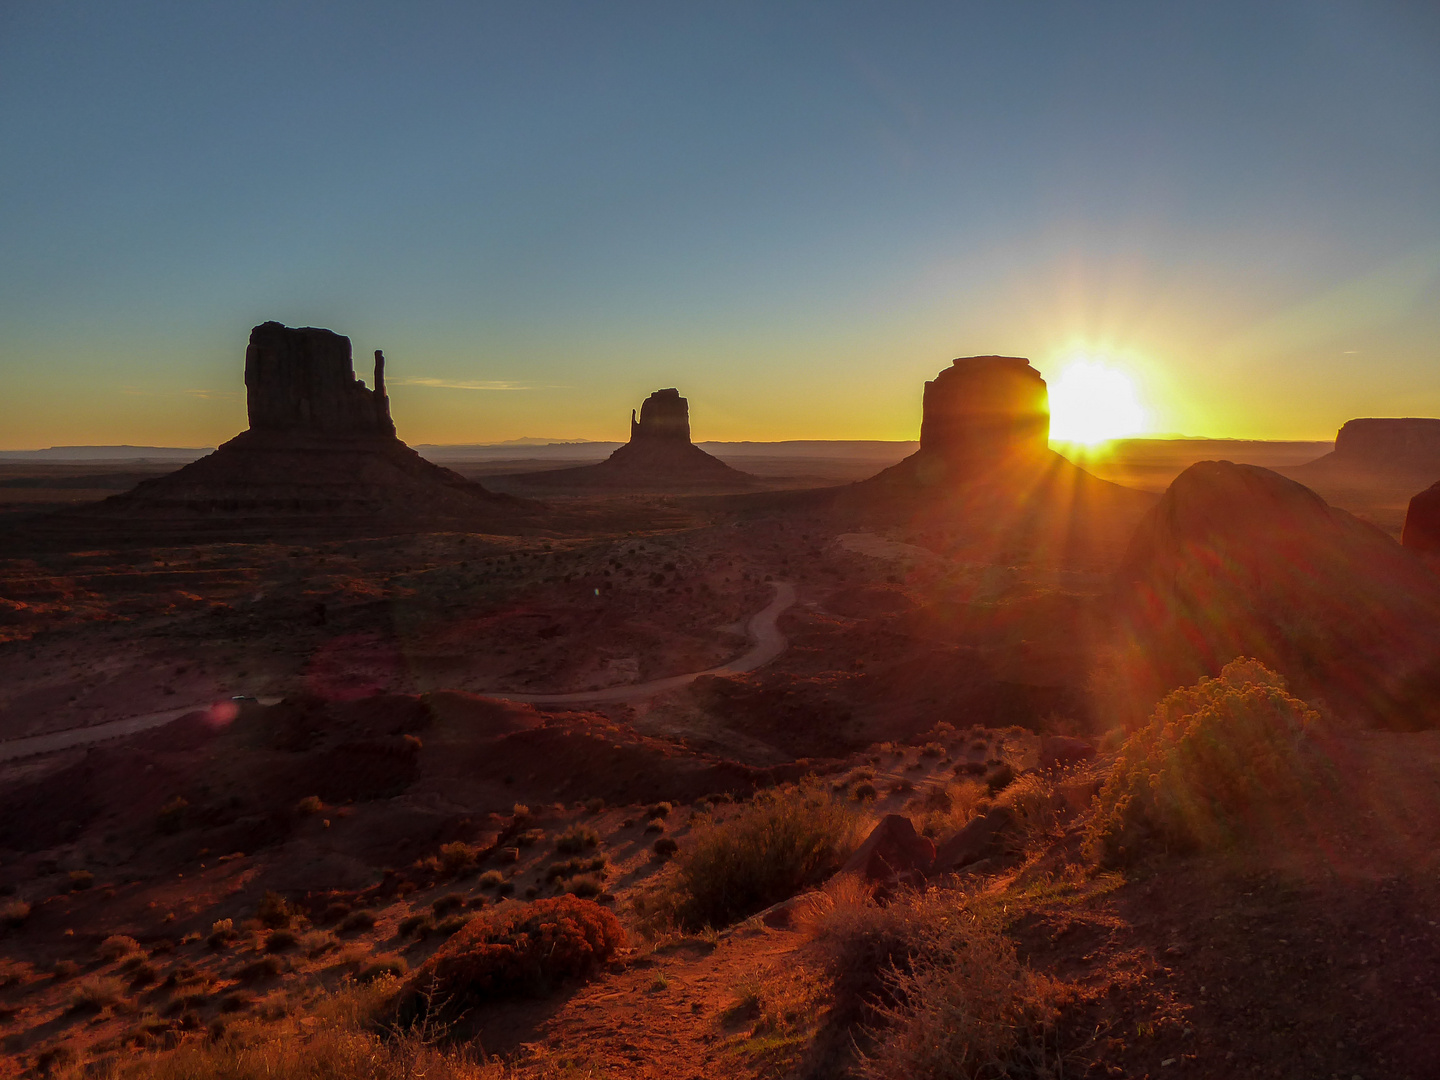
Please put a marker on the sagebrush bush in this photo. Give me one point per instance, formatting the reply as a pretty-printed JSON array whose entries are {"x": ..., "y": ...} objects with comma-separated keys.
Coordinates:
[
  {"x": 1213, "y": 759},
  {"x": 522, "y": 949},
  {"x": 95, "y": 993},
  {"x": 936, "y": 986},
  {"x": 116, "y": 946},
  {"x": 782, "y": 842},
  {"x": 457, "y": 858},
  {"x": 576, "y": 840}
]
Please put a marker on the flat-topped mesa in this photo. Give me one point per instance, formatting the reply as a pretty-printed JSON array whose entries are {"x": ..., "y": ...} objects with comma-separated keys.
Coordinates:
[
  {"x": 663, "y": 415},
  {"x": 985, "y": 407},
  {"x": 304, "y": 380},
  {"x": 1386, "y": 441}
]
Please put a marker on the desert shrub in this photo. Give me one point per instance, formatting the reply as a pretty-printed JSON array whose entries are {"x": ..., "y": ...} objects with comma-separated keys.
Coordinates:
[
  {"x": 335, "y": 911},
  {"x": 570, "y": 867},
  {"x": 659, "y": 810},
  {"x": 655, "y": 826},
  {"x": 1000, "y": 779},
  {"x": 576, "y": 840},
  {"x": 222, "y": 932},
  {"x": 64, "y": 969},
  {"x": 13, "y": 913},
  {"x": 784, "y": 841},
  {"x": 521, "y": 813},
  {"x": 932, "y": 750},
  {"x": 523, "y": 949},
  {"x": 864, "y": 792},
  {"x": 530, "y": 837},
  {"x": 587, "y": 885},
  {"x": 1038, "y": 805},
  {"x": 664, "y": 847},
  {"x": 267, "y": 967},
  {"x": 171, "y": 818},
  {"x": 595, "y": 806},
  {"x": 143, "y": 974},
  {"x": 449, "y": 902},
  {"x": 937, "y": 986},
  {"x": 419, "y": 925},
  {"x": 1213, "y": 758},
  {"x": 275, "y": 912},
  {"x": 309, "y": 806},
  {"x": 458, "y": 857},
  {"x": 116, "y": 946},
  {"x": 491, "y": 878},
  {"x": 94, "y": 994},
  {"x": 280, "y": 940},
  {"x": 357, "y": 922},
  {"x": 388, "y": 965},
  {"x": 78, "y": 880}
]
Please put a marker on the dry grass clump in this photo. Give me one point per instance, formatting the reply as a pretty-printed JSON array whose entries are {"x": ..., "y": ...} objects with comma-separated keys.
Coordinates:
[
  {"x": 576, "y": 840},
  {"x": 95, "y": 993},
  {"x": 782, "y": 842},
  {"x": 936, "y": 986},
  {"x": 117, "y": 946},
  {"x": 1214, "y": 759},
  {"x": 524, "y": 949}
]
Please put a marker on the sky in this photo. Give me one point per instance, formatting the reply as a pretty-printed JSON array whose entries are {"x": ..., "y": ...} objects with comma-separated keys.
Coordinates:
[{"x": 796, "y": 213}]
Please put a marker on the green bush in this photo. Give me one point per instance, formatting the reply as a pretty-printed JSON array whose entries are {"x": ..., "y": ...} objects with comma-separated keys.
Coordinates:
[
  {"x": 1213, "y": 761},
  {"x": 525, "y": 949},
  {"x": 781, "y": 843}
]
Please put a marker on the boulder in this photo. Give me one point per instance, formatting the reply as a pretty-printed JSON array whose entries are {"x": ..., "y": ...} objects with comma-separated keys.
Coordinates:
[
  {"x": 981, "y": 838},
  {"x": 1422, "y": 522},
  {"x": 1236, "y": 560},
  {"x": 893, "y": 848}
]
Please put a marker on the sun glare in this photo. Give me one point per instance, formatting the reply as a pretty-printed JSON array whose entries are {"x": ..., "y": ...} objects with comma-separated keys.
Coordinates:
[{"x": 1091, "y": 402}]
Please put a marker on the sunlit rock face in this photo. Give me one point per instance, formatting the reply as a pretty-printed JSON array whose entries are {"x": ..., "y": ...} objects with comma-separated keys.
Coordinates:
[
  {"x": 985, "y": 407},
  {"x": 663, "y": 415},
  {"x": 658, "y": 457},
  {"x": 304, "y": 380},
  {"x": 1422, "y": 522},
  {"x": 1236, "y": 560}
]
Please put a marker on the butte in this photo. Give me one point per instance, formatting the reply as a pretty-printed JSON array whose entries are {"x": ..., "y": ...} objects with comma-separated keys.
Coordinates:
[
  {"x": 986, "y": 485},
  {"x": 320, "y": 457},
  {"x": 658, "y": 457}
]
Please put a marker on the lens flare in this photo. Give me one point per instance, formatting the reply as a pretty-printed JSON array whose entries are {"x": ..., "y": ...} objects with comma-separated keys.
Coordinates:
[{"x": 1091, "y": 402}]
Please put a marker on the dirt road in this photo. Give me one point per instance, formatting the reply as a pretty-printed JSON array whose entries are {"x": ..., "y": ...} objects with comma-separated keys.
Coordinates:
[{"x": 766, "y": 643}]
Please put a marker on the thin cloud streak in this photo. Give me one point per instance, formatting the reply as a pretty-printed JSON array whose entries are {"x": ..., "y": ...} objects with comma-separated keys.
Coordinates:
[{"x": 453, "y": 384}]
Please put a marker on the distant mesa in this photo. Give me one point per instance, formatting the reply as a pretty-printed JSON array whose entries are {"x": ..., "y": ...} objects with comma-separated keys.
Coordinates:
[
  {"x": 658, "y": 457},
  {"x": 320, "y": 453},
  {"x": 1422, "y": 522},
  {"x": 1370, "y": 447},
  {"x": 1236, "y": 560},
  {"x": 985, "y": 473}
]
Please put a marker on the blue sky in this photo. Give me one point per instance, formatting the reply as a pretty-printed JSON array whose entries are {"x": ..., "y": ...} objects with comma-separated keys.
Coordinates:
[{"x": 794, "y": 212}]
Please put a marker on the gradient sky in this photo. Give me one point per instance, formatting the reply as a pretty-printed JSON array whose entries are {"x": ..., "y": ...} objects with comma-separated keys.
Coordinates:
[{"x": 794, "y": 212}]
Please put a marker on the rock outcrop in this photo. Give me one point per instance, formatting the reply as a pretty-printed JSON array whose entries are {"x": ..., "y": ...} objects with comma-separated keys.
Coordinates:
[
  {"x": 303, "y": 380},
  {"x": 658, "y": 457},
  {"x": 1236, "y": 560},
  {"x": 1422, "y": 522},
  {"x": 320, "y": 455},
  {"x": 1374, "y": 449},
  {"x": 986, "y": 479},
  {"x": 983, "y": 409}
]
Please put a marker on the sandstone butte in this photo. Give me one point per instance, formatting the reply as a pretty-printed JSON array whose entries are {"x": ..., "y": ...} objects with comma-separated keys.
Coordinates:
[
  {"x": 1371, "y": 447},
  {"x": 658, "y": 457},
  {"x": 320, "y": 454}
]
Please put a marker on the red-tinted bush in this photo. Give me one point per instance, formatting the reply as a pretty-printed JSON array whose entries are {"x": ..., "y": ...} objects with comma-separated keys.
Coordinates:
[{"x": 525, "y": 949}]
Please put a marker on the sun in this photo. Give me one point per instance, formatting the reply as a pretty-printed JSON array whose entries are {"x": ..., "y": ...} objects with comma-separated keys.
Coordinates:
[{"x": 1091, "y": 402}]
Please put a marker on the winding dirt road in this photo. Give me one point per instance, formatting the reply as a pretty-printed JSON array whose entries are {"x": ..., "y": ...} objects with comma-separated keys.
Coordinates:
[{"x": 766, "y": 643}]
